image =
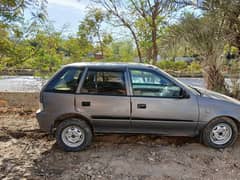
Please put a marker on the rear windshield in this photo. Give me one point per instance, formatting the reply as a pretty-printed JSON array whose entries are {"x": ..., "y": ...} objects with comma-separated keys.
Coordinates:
[{"x": 66, "y": 81}]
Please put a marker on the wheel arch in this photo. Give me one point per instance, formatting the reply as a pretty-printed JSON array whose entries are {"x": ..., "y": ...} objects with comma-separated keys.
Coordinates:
[
  {"x": 235, "y": 120},
  {"x": 64, "y": 117}
]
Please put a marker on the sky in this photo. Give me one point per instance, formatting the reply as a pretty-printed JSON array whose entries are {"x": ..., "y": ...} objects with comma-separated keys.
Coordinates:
[
  {"x": 70, "y": 13},
  {"x": 67, "y": 13}
]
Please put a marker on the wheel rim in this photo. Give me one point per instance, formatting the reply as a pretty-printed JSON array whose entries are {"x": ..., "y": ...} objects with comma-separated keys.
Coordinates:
[
  {"x": 221, "y": 134},
  {"x": 73, "y": 136}
]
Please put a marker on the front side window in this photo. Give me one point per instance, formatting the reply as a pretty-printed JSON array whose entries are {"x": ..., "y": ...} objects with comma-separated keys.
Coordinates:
[
  {"x": 148, "y": 83},
  {"x": 66, "y": 81},
  {"x": 104, "y": 83}
]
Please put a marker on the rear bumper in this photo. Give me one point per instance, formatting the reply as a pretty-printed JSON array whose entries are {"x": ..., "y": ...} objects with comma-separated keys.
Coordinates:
[{"x": 44, "y": 121}]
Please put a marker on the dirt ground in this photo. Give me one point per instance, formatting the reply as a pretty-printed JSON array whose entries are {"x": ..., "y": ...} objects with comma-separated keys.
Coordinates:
[{"x": 27, "y": 153}]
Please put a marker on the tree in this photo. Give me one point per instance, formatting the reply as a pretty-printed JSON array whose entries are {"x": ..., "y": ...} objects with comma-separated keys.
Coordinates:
[
  {"x": 48, "y": 55},
  {"x": 144, "y": 19},
  {"x": 122, "y": 51},
  {"x": 204, "y": 35},
  {"x": 13, "y": 29},
  {"x": 226, "y": 10},
  {"x": 91, "y": 27},
  {"x": 77, "y": 48},
  {"x": 13, "y": 10},
  {"x": 229, "y": 12},
  {"x": 122, "y": 16},
  {"x": 154, "y": 14}
]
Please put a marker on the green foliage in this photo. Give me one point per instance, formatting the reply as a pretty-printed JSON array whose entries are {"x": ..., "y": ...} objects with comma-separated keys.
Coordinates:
[
  {"x": 121, "y": 51},
  {"x": 5, "y": 42},
  {"x": 172, "y": 65},
  {"x": 90, "y": 30},
  {"x": 206, "y": 36},
  {"x": 76, "y": 49},
  {"x": 14, "y": 50},
  {"x": 166, "y": 65},
  {"x": 228, "y": 12},
  {"x": 231, "y": 52},
  {"x": 48, "y": 55},
  {"x": 194, "y": 67},
  {"x": 180, "y": 67},
  {"x": 13, "y": 10}
]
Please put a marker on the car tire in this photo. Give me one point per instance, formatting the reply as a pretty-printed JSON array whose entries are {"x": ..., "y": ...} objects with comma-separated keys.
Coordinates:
[
  {"x": 220, "y": 133},
  {"x": 73, "y": 135}
]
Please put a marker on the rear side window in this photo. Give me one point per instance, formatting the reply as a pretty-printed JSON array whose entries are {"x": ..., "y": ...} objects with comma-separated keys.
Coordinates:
[
  {"x": 104, "y": 83},
  {"x": 66, "y": 81}
]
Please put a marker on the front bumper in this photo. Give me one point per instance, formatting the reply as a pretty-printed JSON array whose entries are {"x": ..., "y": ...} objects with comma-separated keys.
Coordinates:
[{"x": 44, "y": 120}]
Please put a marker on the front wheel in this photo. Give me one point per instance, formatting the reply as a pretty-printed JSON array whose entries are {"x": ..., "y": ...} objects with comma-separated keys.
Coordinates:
[
  {"x": 220, "y": 133},
  {"x": 73, "y": 135}
]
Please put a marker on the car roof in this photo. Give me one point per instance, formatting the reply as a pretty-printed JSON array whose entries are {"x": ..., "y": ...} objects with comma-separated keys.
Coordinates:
[{"x": 110, "y": 65}]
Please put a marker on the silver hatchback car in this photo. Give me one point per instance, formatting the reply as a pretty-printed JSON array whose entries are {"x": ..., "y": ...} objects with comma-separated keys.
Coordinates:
[{"x": 83, "y": 99}]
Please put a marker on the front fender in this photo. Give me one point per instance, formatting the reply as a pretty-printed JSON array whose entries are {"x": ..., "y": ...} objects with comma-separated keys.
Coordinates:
[{"x": 212, "y": 108}]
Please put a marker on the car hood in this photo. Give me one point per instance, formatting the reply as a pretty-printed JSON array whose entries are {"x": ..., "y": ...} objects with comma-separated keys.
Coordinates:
[{"x": 217, "y": 96}]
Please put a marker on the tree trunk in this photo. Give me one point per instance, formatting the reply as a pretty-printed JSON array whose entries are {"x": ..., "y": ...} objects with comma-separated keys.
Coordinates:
[
  {"x": 137, "y": 45},
  {"x": 100, "y": 43},
  {"x": 213, "y": 77},
  {"x": 237, "y": 44},
  {"x": 154, "y": 40},
  {"x": 149, "y": 53}
]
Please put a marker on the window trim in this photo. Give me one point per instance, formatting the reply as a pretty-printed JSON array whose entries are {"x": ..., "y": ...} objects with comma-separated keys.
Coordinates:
[
  {"x": 87, "y": 69},
  {"x": 154, "y": 72}
]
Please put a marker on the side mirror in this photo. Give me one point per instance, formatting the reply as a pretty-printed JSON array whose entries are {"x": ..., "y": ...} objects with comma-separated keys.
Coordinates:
[{"x": 183, "y": 94}]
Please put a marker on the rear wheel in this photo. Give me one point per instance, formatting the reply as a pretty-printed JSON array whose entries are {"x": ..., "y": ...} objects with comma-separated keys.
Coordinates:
[
  {"x": 220, "y": 133},
  {"x": 73, "y": 135}
]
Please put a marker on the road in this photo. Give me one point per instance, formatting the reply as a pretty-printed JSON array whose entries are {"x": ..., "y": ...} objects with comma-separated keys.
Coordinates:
[{"x": 34, "y": 84}]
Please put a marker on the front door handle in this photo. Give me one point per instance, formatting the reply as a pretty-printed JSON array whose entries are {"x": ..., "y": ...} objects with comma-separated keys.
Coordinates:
[
  {"x": 141, "y": 106},
  {"x": 86, "y": 103}
]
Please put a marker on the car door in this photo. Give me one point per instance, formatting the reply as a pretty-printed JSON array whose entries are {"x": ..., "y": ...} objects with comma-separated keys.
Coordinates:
[
  {"x": 158, "y": 105},
  {"x": 104, "y": 99}
]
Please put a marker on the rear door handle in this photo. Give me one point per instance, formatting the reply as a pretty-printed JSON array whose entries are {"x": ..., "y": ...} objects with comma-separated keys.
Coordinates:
[
  {"x": 86, "y": 103},
  {"x": 141, "y": 106}
]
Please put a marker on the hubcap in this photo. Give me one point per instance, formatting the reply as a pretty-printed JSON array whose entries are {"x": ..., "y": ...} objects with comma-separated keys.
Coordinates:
[
  {"x": 73, "y": 136},
  {"x": 221, "y": 134}
]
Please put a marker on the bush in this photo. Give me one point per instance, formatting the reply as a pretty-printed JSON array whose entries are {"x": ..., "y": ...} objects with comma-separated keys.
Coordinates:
[
  {"x": 194, "y": 67},
  {"x": 172, "y": 65},
  {"x": 166, "y": 65}
]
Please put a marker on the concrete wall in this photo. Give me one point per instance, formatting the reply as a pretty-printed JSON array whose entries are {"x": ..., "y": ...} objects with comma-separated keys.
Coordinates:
[{"x": 25, "y": 100}]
